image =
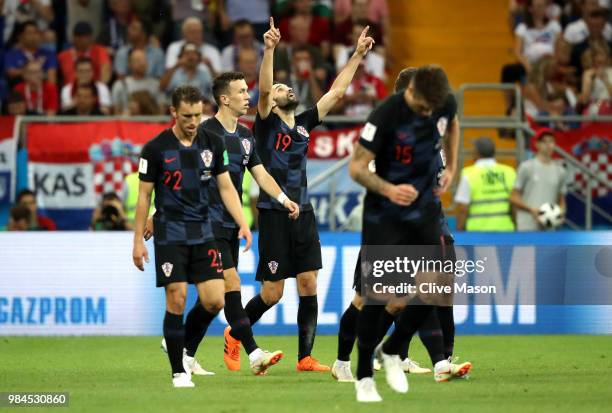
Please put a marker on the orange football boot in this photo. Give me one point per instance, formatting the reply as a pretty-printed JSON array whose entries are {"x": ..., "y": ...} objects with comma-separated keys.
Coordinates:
[
  {"x": 309, "y": 363},
  {"x": 231, "y": 352}
]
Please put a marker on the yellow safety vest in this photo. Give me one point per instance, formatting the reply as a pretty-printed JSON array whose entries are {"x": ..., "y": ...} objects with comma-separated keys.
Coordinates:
[
  {"x": 131, "y": 183},
  {"x": 490, "y": 188}
]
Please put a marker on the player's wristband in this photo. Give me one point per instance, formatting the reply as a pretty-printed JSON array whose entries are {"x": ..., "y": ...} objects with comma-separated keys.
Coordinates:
[{"x": 281, "y": 198}]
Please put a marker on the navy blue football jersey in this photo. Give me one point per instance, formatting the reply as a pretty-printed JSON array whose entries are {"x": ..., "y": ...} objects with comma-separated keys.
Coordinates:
[
  {"x": 181, "y": 175},
  {"x": 240, "y": 147},
  {"x": 283, "y": 152},
  {"x": 407, "y": 151}
]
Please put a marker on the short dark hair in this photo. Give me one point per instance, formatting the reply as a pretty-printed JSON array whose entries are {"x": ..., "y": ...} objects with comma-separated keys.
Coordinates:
[
  {"x": 25, "y": 192},
  {"x": 430, "y": 83},
  {"x": 242, "y": 23},
  {"x": 186, "y": 93},
  {"x": 19, "y": 212},
  {"x": 90, "y": 86},
  {"x": 222, "y": 82},
  {"x": 403, "y": 79}
]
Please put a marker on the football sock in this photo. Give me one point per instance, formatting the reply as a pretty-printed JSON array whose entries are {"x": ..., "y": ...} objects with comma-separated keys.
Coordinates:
[
  {"x": 431, "y": 336},
  {"x": 238, "y": 321},
  {"x": 174, "y": 334},
  {"x": 411, "y": 318},
  {"x": 308, "y": 310},
  {"x": 367, "y": 336},
  {"x": 386, "y": 319},
  {"x": 255, "y": 308},
  {"x": 447, "y": 324},
  {"x": 347, "y": 332},
  {"x": 196, "y": 324}
]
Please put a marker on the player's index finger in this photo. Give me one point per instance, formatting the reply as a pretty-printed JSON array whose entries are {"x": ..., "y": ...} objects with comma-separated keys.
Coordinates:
[
  {"x": 365, "y": 31},
  {"x": 271, "y": 22}
]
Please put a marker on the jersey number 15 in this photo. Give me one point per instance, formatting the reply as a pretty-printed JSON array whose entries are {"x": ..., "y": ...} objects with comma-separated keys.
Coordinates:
[{"x": 403, "y": 154}]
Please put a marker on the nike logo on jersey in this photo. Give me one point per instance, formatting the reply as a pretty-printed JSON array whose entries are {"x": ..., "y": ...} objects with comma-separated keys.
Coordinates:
[{"x": 170, "y": 160}]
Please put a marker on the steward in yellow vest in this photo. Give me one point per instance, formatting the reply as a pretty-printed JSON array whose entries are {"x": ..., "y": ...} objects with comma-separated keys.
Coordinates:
[{"x": 483, "y": 195}]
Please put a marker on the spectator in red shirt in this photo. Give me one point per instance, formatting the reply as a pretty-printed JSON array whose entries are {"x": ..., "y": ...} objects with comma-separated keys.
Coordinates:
[
  {"x": 40, "y": 95},
  {"x": 85, "y": 47},
  {"x": 364, "y": 92},
  {"x": 319, "y": 33},
  {"x": 27, "y": 198}
]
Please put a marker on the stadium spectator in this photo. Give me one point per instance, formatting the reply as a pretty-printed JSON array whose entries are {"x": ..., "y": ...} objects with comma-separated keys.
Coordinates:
[
  {"x": 597, "y": 78},
  {"x": 16, "y": 105},
  {"x": 40, "y": 95},
  {"x": 535, "y": 38},
  {"x": 364, "y": 92},
  {"x": 114, "y": 31},
  {"x": 28, "y": 49},
  {"x": 137, "y": 80},
  {"x": 247, "y": 64},
  {"x": 283, "y": 68},
  {"x": 19, "y": 218},
  {"x": 539, "y": 180},
  {"x": 27, "y": 198},
  {"x": 596, "y": 24},
  {"x": 244, "y": 38},
  {"x": 483, "y": 195},
  {"x": 193, "y": 32},
  {"x": 542, "y": 83},
  {"x": 318, "y": 28},
  {"x": 85, "y": 102},
  {"x": 109, "y": 214},
  {"x": 208, "y": 108},
  {"x": 16, "y": 12},
  {"x": 199, "y": 10},
  {"x": 303, "y": 78},
  {"x": 578, "y": 31},
  {"x": 374, "y": 62},
  {"x": 188, "y": 71},
  {"x": 142, "y": 104},
  {"x": 138, "y": 35},
  {"x": 85, "y": 47},
  {"x": 256, "y": 12},
  {"x": 374, "y": 13},
  {"x": 84, "y": 74},
  {"x": 283, "y": 8},
  {"x": 90, "y": 11},
  {"x": 516, "y": 12}
]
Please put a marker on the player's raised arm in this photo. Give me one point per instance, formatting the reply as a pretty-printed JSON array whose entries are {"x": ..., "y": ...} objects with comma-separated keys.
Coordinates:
[
  {"x": 230, "y": 199},
  {"x": 269, "y": 185},
  {"x": 266, "y": 71},
  {"x": 139, "y": 252},
  {"x": 344, "y": 78}
]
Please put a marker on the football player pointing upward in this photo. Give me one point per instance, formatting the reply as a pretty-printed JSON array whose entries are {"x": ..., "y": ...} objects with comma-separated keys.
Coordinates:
[{"x": 291, "y": 248}]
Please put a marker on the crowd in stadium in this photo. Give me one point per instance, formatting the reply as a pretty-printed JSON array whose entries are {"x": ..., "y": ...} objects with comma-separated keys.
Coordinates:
[
  {"x": 124, "y": 57},
  {"x": 562, "y": 50}
]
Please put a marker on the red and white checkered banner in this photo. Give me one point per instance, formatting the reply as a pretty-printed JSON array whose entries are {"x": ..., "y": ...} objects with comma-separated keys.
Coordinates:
[
  {"x": 592, "y": 145},
  {"x": 72, "y": 164},
  {"x": 8, "y": 151}
]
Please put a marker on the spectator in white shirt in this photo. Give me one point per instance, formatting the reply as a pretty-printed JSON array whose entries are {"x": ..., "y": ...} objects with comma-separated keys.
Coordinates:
[
  {"x": 137, "y": 80},
  {"x": 193, "y": 32},
  {"x": 578, "y": 31},
  {"x": 84, "y": 72}
]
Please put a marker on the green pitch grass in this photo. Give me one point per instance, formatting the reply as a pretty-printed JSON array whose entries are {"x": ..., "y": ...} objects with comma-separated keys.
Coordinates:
[{"x": 117, "y": 374}]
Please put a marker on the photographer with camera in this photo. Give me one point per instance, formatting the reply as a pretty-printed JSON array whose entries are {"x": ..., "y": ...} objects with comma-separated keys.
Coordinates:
[{"x": 109, "y": 215}]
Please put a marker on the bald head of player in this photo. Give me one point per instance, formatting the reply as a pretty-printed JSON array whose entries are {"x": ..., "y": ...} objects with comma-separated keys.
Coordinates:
[
  {"x": 231, "y": 93},
  {"x": 427, "y": 89}
]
